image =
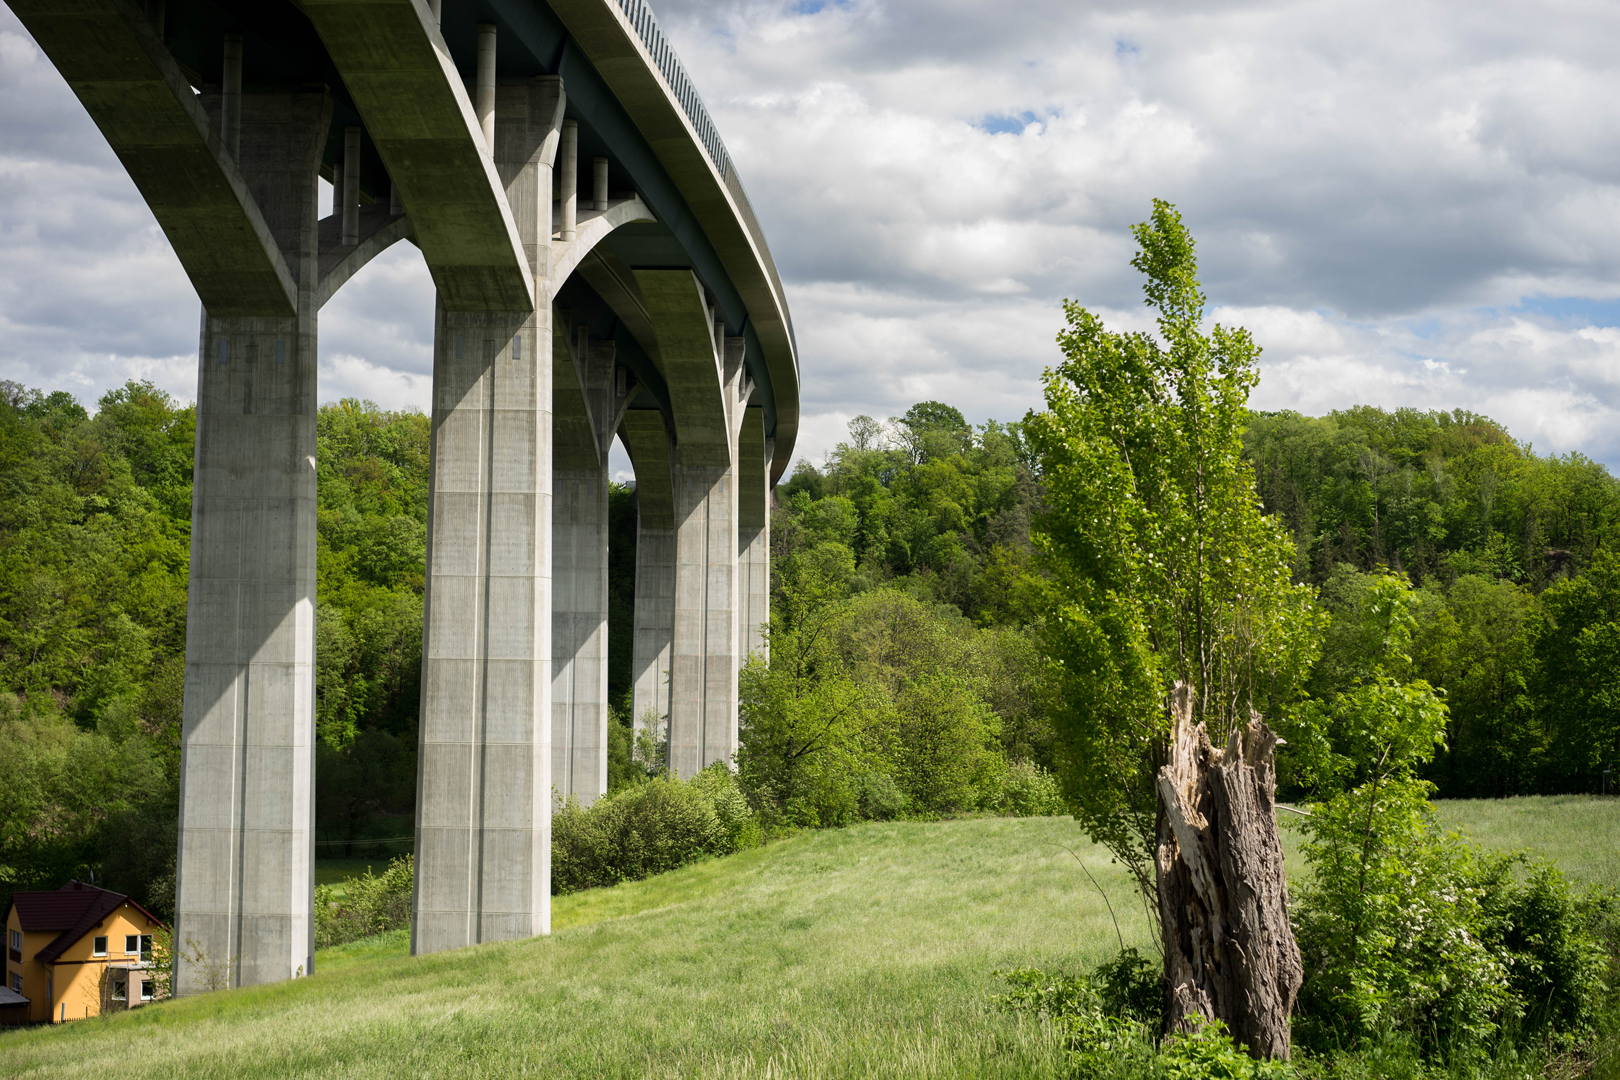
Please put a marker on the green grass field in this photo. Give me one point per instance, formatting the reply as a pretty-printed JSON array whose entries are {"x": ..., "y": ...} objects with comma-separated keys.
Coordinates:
[{"x": 863, "y": 952}]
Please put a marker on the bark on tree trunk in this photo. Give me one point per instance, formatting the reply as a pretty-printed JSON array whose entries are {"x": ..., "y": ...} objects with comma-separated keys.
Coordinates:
[{"x": 1229, "y": 952}]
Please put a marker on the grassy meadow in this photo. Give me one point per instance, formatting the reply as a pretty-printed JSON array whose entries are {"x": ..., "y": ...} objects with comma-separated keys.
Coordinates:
[{"x": 867, "y": 951}]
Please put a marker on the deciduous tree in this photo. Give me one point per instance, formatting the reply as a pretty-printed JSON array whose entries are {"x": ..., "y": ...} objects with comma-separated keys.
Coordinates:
[{"x": 1171, "y": 585}]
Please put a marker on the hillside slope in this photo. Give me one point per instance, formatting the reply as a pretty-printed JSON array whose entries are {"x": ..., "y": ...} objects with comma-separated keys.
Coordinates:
[{"x": 865, "y": 951}]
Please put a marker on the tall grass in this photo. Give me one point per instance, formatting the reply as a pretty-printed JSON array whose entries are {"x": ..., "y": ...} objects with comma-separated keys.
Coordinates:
[{"x": 863, "y": 952}]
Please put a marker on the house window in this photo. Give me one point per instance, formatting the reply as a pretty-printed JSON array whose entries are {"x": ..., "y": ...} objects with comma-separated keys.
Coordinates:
[
  {"x": 120, "y": 990},
  {"x": 146, "y": 989},
  {"x": 146, "y": 946},
  {"x": 132, "y": 944},
  {"x": 16, "y": 982},
  {"x": 16, "y": 940},
  {"x": 99, "y": 946}
]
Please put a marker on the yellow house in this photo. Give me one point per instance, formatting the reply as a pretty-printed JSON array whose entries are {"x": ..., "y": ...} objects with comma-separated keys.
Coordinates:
[{"x": 73, "y": 952}]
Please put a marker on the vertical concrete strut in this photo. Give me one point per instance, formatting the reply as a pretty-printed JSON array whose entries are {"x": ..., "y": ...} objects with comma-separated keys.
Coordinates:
[
  {"x": 230, "y": 113},
  {"x": 486, "y": 83},
  {"x": 483, "y": 801},
  {"x": 588, "y": 405},
  {"x": 599, "y": 183},
  {"x": 349, "y": 189},
  {"x": 244, "y": 888},
  {"x": 648, "y": 443},
  {"x": 569, "y": 177}
]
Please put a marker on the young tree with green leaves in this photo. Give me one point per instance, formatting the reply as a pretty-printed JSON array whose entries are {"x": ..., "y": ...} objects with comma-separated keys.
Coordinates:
[{"x": 1169, "y": 584}]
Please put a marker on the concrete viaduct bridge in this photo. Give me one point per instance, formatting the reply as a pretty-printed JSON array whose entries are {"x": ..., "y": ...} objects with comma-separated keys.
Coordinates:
[{"x": 599, "y": 273}]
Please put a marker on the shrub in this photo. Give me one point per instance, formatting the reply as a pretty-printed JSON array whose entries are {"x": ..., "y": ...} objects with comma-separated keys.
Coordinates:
[
  {"x": 945, "y": 744},
  {"x": 1391, "y": 930},
  {"x": 1438, "y": 952},
  {"x": 1030, "y": 791},
  {"x": 878, "y": 797},
  {"x": 648, "y": 829},
  {"x": 1110, "y": 1022},
  {"x": 1131, "y": 985},
  {"x": 1546, "y": 936},
  {"x": 372, "y": 904}
]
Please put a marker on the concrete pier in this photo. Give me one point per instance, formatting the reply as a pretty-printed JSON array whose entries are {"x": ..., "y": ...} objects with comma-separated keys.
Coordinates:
[
  {"x": 588, "y": 404},
  {"x": 483, "y": 823},
  {"x": 483, "y": 850},
  {"x": 648, "y": 444},
  {"x": 704, "y": 660},
  {"x": 245, "y": 883},
  {"x": 753, "y": 535}
]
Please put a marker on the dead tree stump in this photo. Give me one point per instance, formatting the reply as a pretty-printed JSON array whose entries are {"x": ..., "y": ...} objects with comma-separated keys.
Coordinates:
[{"x": 1223, "y": 903}]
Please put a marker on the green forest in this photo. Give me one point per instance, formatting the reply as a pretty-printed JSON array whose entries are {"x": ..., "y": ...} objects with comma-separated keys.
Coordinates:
[{"x": 907, "y": 675}]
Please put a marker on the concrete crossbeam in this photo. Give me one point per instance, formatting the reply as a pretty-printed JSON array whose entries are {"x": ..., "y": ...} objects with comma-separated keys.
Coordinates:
[
  {"x": 400, "y": 74},
  {"x": 244, "y": 888},
  {"x": 142, "y": 102},
  {"x": 647, "y": 441}
]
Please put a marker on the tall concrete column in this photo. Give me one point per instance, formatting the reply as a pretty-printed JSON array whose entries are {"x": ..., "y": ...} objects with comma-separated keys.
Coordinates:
[
  {"x": 483, "y": 870},
  {"x": 648, "y": 443},
  {"x": 588, "y": 404},
  {"x": 244, "y": 888},
  {"x": 753, "y": 535},
  {"x": 704, "y": 662}
]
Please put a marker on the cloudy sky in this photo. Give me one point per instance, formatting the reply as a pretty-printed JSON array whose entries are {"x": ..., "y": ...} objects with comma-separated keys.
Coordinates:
[{"x": 1408, "y": 203}]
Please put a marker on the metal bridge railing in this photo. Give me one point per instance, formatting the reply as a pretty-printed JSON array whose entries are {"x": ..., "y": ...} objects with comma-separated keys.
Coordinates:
[{"x": 641, "y": 19}]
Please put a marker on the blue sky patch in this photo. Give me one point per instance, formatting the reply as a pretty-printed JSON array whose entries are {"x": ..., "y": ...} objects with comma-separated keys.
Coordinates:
[
  {"x": 1006, "y": 123},
  {"x": 1572, "y": 309}
]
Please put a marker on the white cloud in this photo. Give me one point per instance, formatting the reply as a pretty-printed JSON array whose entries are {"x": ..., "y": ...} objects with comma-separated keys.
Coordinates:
[{"x": 1409, "y": 202}]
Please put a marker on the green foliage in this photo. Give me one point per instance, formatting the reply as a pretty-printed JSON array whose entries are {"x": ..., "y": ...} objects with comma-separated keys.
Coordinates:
[
  {"x": 366, "y": 905},
  {"x": 370, "y": 550},
  {"x": 65, "y": 792},
  {"x": 944, "y": 745},
  {"x": 1513, "y": 552},
  {"x": 648, "y": 829},
  {"x": 371, "y": 543},
  {"x": 1554, "y": 942},
  {"x": 1030, "y": 791},
  {"x": 1409, "y": 938},
  {"x": 925, "y": 504},
  {"x": 1577, "y": 679},
  {"x": 877, "y": 705},
  {"x": 1436, "y": 494},
  {"x": 1162, "y": 565},
  {"x": 1110, "y": 1022}
]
